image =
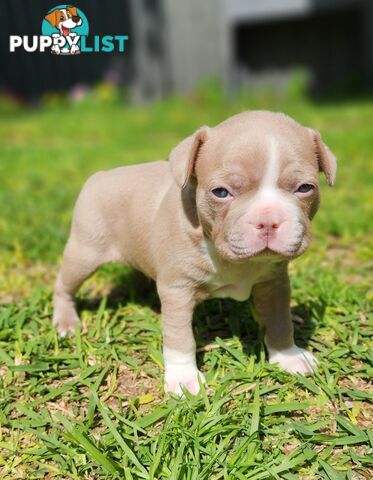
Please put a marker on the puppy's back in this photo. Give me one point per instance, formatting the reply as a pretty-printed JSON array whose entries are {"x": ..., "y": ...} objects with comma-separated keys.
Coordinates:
[{"x": 115, "y": 211}]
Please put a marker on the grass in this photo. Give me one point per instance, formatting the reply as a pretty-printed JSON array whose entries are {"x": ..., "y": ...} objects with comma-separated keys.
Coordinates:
[{"x": 92, "y": 407}]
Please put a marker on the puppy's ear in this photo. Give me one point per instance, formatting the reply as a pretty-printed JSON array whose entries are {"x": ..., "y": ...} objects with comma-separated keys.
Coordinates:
[
  {"x": 184, "y": 156},
  {"x": 325, "y": 157},
  {"x": 53, "y": 17},
  {"x": 73, "y": 11}
]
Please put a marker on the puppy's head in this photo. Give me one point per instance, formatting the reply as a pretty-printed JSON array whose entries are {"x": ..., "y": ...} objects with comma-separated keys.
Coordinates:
[
  {"x": 67, "y": 18},
  {"x": 255, "y": 181}
]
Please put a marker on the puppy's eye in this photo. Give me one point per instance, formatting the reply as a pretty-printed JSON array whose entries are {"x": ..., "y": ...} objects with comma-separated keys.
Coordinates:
[
  {"x": 305, "y": 188},
  {"x": 221, "y": 192}
]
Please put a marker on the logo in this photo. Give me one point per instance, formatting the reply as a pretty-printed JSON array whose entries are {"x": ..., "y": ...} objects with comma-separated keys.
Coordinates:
[
  {"x": 65, "y": 31},
  {"x": 66, "y": 25}
]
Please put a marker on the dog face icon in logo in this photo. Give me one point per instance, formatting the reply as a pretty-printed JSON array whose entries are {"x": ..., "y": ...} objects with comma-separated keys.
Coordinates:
[{"x": 65, "y": 24}]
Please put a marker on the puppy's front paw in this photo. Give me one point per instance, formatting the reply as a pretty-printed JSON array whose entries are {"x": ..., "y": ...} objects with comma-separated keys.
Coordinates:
[
  {"x": 74, "y": 50},
  {"x": 293, "y": 359},
  {"x": 56, "y": 50},
  {"x": 176, "y": 377},
  {"x": 181, "y": 370},
  {"x": 65, "y": 319}
]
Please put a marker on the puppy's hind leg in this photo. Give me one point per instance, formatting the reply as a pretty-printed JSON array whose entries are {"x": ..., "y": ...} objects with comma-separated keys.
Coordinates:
[{"x": 79, "y": 262}]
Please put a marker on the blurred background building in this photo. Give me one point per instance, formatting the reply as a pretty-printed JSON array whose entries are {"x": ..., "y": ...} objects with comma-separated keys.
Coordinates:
[{"x": 175, "y": 44}]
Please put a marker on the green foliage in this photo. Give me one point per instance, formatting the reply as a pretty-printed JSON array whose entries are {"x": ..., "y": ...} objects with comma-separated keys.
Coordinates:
[{"x": 92, "y": 406}]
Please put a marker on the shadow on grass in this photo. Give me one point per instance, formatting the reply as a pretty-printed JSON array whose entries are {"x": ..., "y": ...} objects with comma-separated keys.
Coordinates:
[
  {"x": 224, "y": 318},
  {"x": 310, "y": 312},
  {"x": 129, "y": 286}
]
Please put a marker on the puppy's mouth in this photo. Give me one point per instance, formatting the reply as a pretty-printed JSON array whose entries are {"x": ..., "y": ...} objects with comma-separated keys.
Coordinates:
[
  {"x": 246, "y": 253},
  {"x": 277, "y": 243},
  {"x": 72, "y": 22},
  {"x": 265, "y": 252}
]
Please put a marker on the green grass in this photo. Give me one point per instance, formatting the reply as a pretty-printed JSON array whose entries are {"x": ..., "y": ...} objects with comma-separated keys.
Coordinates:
[{"x": 92, "y": 407}]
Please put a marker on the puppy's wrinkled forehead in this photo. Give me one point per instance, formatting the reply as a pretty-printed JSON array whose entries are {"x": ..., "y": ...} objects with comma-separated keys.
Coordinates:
[{"x": 261, "y": 148}]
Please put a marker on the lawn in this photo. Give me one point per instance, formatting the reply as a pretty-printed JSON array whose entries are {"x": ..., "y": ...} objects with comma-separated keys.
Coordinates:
[{"x": 92, "y": 406}]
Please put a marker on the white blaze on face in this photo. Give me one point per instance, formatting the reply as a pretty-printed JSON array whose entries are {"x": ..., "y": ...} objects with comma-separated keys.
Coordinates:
[
  {"x": 67, "y": 22},
  {"x": 269, "y": 182}
]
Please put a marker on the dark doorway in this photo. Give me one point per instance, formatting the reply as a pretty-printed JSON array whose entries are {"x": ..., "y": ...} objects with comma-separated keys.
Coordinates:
[{"x": 327, "y": 44}]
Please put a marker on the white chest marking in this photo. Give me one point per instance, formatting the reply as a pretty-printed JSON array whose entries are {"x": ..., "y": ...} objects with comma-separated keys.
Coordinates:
[
  {"x": 225, "y": 286},
  {"x": 235, "y": 281}
]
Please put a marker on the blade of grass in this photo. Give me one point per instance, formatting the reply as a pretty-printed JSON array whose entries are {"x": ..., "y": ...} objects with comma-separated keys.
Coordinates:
[
  {"x": 114, "y": 431},
  {"x": 88, "y": 446}
]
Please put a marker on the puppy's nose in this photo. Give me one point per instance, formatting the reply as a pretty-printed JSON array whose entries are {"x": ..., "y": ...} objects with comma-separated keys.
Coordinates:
[
  {"x": 267, "y": 227},
  {"x": 75, "y": 19}
]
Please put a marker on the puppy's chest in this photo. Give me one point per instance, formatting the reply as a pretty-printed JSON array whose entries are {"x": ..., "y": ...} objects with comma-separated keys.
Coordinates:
[
  {"x": 226, "y": 286},
  {"x": 234, "y": 281}
]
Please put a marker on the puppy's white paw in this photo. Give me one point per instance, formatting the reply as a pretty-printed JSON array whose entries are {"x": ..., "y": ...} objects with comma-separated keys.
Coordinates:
[
  {"x": 293, "y": 359},
  {"x": 181, "y": 370},
  {"x": 174, "y": 379},
  {"x": 74, "y": 50},
  {"x": 65, "y": 319},
  {"x": 56, "y": 50}
]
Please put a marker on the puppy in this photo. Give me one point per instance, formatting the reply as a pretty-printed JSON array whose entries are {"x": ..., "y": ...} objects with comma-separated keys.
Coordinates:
[
  {"x": 64, "y": 19},
  {"x": 222, "y": 218}
]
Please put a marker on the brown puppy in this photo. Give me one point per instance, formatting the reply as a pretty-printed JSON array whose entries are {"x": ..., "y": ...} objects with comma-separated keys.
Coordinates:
[{"x": 222, "y": 218}]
